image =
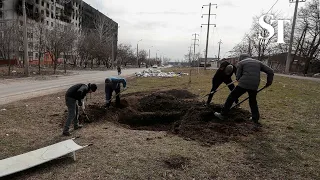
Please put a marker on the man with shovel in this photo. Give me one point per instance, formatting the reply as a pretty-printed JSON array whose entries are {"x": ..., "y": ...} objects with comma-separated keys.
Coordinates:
[
  {"x": 223, "y": 75},
  {"x": 113, "y": 84},
  {"x": 75, "y": 94},
  {"x": 248, "y": 77}
]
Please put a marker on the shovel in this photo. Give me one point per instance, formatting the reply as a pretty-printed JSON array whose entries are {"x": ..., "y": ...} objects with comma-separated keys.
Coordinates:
[
  {"x": 212, "y": 92},
  {"x": 116, "y": 95},
  {"x": 247, "y": 98},
  {"x": 85, "y": 114}
]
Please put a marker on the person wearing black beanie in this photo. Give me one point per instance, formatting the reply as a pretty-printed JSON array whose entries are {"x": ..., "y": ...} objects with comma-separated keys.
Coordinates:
[{"x": 75, "y": 95}]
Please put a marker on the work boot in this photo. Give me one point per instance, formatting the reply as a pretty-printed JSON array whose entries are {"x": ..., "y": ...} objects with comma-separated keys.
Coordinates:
[
  {"x": 218, "y": 115},
  {"x": 77, "y": 127},
  {"x": 256, "y": 123},
  {"x": 66, "y": 133}
]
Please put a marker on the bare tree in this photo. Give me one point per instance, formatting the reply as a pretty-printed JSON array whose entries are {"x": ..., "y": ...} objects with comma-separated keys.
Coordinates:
[
  {"x": 125, "y": 54},
  {"x": 58, "y": 39},
  {"x": 308, "y": 23},
  {"x": 9, "y": 40},
  {"x": 143, "y": 54}
]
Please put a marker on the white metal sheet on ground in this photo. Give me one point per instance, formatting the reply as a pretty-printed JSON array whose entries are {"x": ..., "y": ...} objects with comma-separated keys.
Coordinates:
[{"x": 33, "y": 158}]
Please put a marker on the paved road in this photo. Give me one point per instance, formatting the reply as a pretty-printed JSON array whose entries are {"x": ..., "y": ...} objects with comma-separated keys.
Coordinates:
[
  {"x": 289, "y": 76},
  {"x": 14, "y": 90},
  {"x": 299, "y": 77}
]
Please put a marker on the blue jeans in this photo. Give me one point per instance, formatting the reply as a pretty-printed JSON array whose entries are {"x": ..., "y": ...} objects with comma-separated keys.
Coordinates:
[
  {"x": 108, "y": 91},
  {"x": 73, "y": 113}
]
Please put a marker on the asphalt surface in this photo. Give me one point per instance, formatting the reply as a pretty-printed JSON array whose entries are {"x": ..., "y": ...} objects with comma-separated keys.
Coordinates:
[
  {"x": 14, "y": 90},
  {"x": 19, "y": 89}
]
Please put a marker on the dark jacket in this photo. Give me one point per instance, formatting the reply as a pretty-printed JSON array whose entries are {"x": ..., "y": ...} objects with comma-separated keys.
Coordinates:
[
  {"x": 78, "y": 91},
  {"x": 248, "y": 74},
  {"x": 116, "y": 82},
  {"x": 220, "y": 75}
]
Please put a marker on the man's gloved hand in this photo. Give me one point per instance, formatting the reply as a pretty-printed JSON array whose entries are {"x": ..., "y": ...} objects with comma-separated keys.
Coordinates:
[{"x": 268, "y": 84}]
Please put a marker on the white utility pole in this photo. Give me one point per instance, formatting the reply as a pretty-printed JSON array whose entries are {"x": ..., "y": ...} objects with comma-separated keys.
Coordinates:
[
  {"x": 25, "y": 39},
  {"x": 289, "y": 60},
  {"x": 206, "y": 56}
]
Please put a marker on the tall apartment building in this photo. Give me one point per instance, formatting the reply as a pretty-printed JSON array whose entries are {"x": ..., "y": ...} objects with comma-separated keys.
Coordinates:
[{"x": 51, "y": 13}]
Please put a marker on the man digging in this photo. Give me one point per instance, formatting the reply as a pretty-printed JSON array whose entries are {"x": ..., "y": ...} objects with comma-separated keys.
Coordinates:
[
  {"x": 75, "y": 94},
  {"x": 248, "y": 77},
  {"x": 223, "y": 75},
  {"x": 113, "y": 84}
]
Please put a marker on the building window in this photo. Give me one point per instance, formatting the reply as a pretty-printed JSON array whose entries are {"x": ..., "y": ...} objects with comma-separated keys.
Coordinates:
[
  {"x": 36, "y": 55},
  {"x": 1, "y": 14},
  {"x": 30, "y": 45},
  {"x": 42, "y": 12},
  {"x": 42, "y": 3},
  {"x": 52, "y": 15},
  {"x": 30, "y": 35},
  {"x": 52, "y": 24},
  {"x": 30, "y": 54},
  {"x": 47, "y": 22},
  {"x": 48, "y": 13},
  {"x": 37, "y": 1}
]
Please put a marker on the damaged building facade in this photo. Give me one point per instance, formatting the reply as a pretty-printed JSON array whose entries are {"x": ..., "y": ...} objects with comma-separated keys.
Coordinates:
[{"x": 61, "y": 13}]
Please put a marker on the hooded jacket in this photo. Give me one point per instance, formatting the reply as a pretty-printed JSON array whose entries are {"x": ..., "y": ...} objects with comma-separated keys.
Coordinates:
[
  {"x": 248, "y": 73},
  {"x": 116, "y": 82}
]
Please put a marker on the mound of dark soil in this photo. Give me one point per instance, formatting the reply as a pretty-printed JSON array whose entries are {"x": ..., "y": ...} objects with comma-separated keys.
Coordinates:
[
  {"x": 200, "y": 124},
  {"x": 175, "y": 111},
  {"x": 179, "y": 93},
  {"x": 162, "y": 102}
]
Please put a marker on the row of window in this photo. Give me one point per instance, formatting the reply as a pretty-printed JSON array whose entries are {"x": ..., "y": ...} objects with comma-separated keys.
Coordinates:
[{"x": 44, "y": 4}]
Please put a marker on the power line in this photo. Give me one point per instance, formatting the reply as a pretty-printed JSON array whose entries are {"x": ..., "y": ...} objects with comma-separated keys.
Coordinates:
[
  {"x": 272, "y": 6},
  {"x": 205, "y": 61}
]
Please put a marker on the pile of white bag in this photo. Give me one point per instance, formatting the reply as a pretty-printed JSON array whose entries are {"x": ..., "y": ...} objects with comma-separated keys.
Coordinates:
[{"x": 158, "y": 73}]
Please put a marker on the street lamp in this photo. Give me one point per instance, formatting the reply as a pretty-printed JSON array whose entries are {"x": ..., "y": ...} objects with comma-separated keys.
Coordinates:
[
  {"x": 157, "y": 54},
  {"x": 138, "y": 52},
  {"x": 149, "y": 57}
]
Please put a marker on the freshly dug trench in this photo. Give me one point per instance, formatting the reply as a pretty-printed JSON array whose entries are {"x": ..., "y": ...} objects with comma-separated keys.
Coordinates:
[
  {"x": 176, "y": 113},
  {"x": 155, "y": 121}
]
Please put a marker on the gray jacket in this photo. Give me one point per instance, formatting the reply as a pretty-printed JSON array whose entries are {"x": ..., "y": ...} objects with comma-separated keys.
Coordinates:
[{"x": 248, "y": 73}]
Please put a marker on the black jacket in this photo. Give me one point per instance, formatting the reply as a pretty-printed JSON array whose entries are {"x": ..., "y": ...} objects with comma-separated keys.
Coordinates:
[
  {"x": 78, "y": 91},
  {"x": 220, "y": 75}
]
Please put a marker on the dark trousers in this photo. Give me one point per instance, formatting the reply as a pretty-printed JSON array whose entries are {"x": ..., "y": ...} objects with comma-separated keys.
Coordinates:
[
  {"x": 73, "y": 113},
  {"x": 109, "y": 91},
  {"x": 216, "y": 84},
  {"x": 235, "y": 94}
]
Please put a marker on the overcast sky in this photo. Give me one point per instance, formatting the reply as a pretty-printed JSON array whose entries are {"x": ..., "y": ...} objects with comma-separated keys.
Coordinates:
[{"x": 168, "y": 25}]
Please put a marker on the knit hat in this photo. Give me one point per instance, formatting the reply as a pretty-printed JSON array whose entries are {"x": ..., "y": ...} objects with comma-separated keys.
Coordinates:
[
  {"x": 92, "y": 87},
  {"x": 243, "y": 56},
  {"x": 229, "y": 69}
]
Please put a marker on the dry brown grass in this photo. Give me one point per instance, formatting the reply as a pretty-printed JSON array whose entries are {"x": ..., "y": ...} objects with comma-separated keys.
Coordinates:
[{"x": 287, "y": 148}]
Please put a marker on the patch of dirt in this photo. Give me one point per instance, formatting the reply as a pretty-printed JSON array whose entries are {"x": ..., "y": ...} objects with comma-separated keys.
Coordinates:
[
  {"x": 177, "y": 112},
  {"x": 177, "y": 162}
]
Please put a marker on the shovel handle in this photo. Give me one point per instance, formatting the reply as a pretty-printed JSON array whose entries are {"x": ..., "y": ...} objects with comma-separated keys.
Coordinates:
[{"x": 247, "y": 98}]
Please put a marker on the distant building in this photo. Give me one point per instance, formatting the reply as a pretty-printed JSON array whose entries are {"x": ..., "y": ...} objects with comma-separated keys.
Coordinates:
[
  {"x": 211, "y": 62},
  {"x": 51, "y": 13}
]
